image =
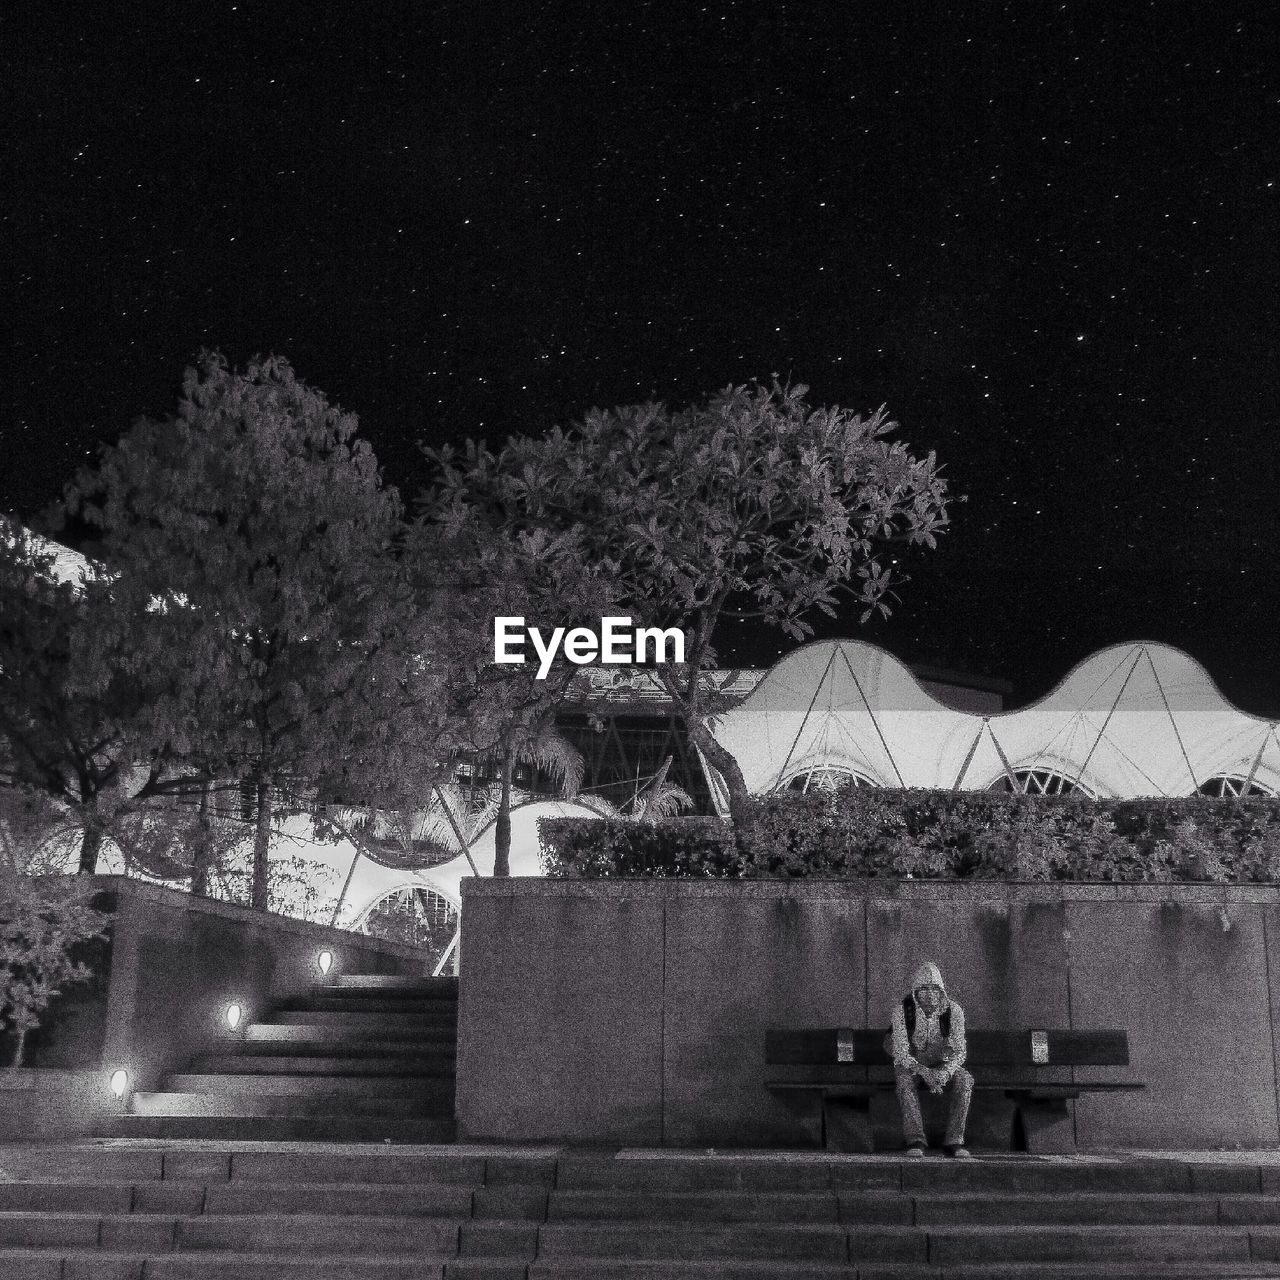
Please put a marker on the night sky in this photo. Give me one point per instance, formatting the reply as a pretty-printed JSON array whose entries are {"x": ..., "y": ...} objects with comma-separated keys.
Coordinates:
[{"x": 1045, "y": 234}]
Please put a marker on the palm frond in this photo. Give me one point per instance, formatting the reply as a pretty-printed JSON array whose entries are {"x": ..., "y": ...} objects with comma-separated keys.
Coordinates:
[
  {"x": 667, "y": 803},
  {"x": 603, "y": 807},
  {"x": 548, "y": 750}
]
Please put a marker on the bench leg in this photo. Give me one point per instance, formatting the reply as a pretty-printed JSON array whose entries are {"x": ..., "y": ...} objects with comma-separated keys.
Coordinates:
[
  {"x": 846, "y": 1124},
  {"x": 1043, "y": 1126}
]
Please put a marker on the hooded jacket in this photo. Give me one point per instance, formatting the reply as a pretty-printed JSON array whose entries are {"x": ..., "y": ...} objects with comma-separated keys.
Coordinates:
[{"x": 928, "y": 1043}]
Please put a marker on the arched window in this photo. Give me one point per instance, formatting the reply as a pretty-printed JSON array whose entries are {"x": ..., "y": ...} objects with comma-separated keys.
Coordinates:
[
  {"x": 417, "y": 917},
  {"x": 1233, "y": 784},
  {"x": 825, "y": 777},
  {"x": 1040, "y": 782}
]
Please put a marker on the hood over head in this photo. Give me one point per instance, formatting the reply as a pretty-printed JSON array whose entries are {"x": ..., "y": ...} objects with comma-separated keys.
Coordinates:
[{"x": 928, "y": 974}]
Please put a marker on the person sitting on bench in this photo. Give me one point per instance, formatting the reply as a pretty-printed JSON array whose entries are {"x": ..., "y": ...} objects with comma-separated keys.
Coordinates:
[{"x": 926, "y": 1041}]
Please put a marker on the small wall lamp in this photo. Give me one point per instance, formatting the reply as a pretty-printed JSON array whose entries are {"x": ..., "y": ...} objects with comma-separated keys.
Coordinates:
[
  {"x": 234, "y": 1014},
  {"x": 324, "y": 962},
  {"x": 120, "y": 1083}
]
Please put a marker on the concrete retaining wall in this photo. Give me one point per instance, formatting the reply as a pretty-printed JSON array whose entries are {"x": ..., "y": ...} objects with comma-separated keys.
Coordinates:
[{"x": 633, "y": 1012}]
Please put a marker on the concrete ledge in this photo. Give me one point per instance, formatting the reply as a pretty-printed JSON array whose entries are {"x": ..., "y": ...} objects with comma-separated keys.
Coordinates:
[
  {"x": 880, "y": 890},
  {"x": 322, "y": 935}
]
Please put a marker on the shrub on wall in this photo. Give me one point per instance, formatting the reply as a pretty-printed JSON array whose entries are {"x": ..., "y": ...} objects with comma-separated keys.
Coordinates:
[
  {"x": 870, "y": 832},
  {"x": 42, "y": 926},
  {"x": 597, "y": 847}
]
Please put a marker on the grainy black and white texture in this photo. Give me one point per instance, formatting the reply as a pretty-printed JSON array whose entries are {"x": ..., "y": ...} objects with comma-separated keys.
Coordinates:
[{"x": 1046, "y": 235}]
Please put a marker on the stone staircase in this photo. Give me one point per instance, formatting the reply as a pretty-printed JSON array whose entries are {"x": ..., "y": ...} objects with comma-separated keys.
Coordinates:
[
  {"x": 362, "y": 1057},
  {"x": 189, "y": 1211}
]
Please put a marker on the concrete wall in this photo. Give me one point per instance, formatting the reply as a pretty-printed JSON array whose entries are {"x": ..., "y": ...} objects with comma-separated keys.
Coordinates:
[
  {"x": 171, "y": 966},
  {"x": 633, "y": 1012}
]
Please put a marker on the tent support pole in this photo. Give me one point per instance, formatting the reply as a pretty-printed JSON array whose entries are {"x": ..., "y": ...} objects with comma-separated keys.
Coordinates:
[
  {"x": 968, "y": 760},
  {"x": 808, "y": 712},
  {"x": 1169, "y": 712},
  {"x": 1107, "y": 721},
  {"x": 875, "y": 723},
  {"x": 1257, "y": 760}
]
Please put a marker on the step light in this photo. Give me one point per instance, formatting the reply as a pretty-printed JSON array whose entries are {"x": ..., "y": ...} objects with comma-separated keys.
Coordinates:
[
  {"x": 234, "y": 1014},
  {"x": 120, "y": 1083},
  {"x": 324, "y": 962}
]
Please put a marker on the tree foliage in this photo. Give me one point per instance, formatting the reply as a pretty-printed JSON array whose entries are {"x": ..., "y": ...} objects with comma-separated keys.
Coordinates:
[
  {"x": 41, "y": 922},
  {"x": 67, "y": 716},
  {"x": 470, "y": 568},
  {"x": 257, "y": 590},
  {"x": 752, "y": 505}
]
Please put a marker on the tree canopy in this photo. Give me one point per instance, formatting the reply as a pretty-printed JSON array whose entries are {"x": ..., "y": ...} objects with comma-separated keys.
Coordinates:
[
  {"x": 751, "y": 505},
  {"x": 66, "y": 716},
  {"x": 257, "y": 589}
]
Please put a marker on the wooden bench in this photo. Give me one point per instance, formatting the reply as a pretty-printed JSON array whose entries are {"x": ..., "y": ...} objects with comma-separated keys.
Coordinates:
[{"x": 838, "y": 1070}]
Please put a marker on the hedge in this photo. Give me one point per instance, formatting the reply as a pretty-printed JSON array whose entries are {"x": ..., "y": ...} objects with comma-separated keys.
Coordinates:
[{"x": 871, "y": 832}]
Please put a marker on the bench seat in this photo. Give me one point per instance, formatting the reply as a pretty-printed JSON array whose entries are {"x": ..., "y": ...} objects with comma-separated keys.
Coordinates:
[{"x": 841, "y": 1069}]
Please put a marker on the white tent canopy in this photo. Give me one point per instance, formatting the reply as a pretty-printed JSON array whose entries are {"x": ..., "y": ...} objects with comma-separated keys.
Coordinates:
[{"x": 1139, "y": 719}]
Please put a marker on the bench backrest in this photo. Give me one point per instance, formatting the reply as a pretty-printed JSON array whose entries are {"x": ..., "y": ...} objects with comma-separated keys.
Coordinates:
[{"x": 1021, "y": 1048}]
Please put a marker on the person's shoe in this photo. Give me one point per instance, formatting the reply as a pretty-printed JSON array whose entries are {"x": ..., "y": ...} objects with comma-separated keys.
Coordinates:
[
  {"x": 915, "y": 1150},
  {"x": 959, "y": 1153}
]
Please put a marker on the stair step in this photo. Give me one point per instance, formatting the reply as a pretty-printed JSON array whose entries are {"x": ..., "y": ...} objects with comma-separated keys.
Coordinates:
[
  {"x": 1007, "y": 1176},
  {"x": 422, "y": 1007},
  {"x": 321, "y": 1127},
  {"x": 34, "y": 1228},
  {"x": 319, "y": 1233},
  {"x": 715, "y": 1206},
  {"x": 1080, "y": 1208},
  {"x": 721, "y": 1269},
  {"x": 807, "y": 1242},
  {"x": 718, "y": 1269},
  {"x": 604, "y": 1173},
  {"x": 978, "y": 1177},
  {"x": 45, "y": 1264},
  {"x": 888, "y": 1208},
  {"x": 356, "y": 982},
  {"x": 379, "y": 1199},
  {"x": 325, "y": 1035},
  {"x": 364, "y": 1020},
  {"x": 220, "y": 1265},
  {"x": 178, "y": 1103},
  {"x": 360, "y": 1165},
  {"x": 300, "y": 1084},
  {"x": 958, "y": 1246},
  {"x": 81, "y": 1163},
  {"x": 65, "y": 1197},
  {"x": 402, "y": 1063}
]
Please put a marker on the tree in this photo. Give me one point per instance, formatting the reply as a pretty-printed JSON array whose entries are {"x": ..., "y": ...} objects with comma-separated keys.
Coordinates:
[
  {"x": 56, "y": 740},
  {"x": 752, "y": 505},
  {"x": 69, "y": 726},
  {"x": 536, "y": 742},
  {"x": 40, "y": 924},
  {"x": 258, "y": 591},
  {"x": 472, "y": 569}
]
